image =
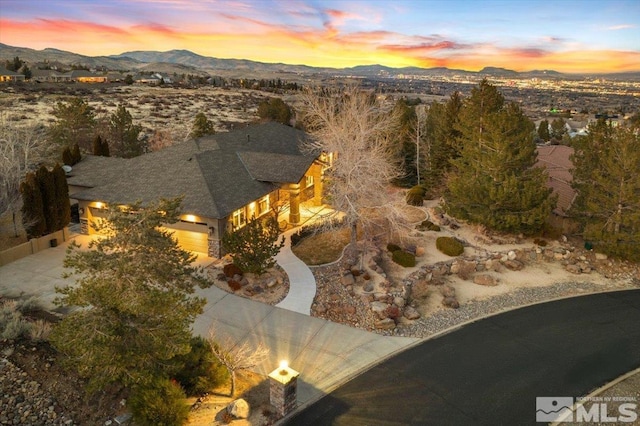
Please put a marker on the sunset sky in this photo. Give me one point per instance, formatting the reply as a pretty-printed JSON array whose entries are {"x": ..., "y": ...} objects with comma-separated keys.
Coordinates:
[{"x": 567, "y": 36}]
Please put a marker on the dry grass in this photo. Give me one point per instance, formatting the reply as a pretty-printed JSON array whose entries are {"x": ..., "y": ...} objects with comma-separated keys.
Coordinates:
[{"x": 322, "y": 248}]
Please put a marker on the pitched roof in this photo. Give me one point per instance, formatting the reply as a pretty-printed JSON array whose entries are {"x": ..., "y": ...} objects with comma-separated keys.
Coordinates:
[
  {"x": 210, "y": 172},
  {"x": 557, "y": 160}
]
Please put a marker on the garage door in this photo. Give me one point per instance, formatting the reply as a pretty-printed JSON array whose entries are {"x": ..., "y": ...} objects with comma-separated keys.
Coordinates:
[{"x": 191, "y": 240}]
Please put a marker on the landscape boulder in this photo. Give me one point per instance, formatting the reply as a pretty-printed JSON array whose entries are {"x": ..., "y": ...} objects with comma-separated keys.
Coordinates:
[
  {"x": 385, "y": 324},
  {"x": 380, "y": 309},
  {"x": 411, "y": 313},
  {"x": 239, "y": 409},
  {"x": 485, "y": 279}
]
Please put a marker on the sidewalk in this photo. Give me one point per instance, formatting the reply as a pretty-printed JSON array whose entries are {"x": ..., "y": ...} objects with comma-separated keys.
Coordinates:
[{"x": 302, "y": 283}]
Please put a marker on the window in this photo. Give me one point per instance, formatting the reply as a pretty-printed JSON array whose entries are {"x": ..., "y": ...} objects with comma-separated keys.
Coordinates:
[
  {"x": 263, "y": 205},
  {"x": 308, "y": 181},
  {"x": 239, "y": 218}
]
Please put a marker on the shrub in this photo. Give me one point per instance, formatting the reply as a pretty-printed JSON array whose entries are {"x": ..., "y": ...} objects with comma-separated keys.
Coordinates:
[
  {"x": 230, "y": 270},
  {"x": 393, "y": 247},
  {"x": 234, "y": 285},
  {"x": 415, "y": 196},
  {"x": 540, "y": 242},
  {"x": 199, "y": 371},
  {"x": 159, "y": 403},
  {"x": 449, "y": 246},
  {"x": 427, "y": 225},
  {"x": 12, "y": 324},
  {"x": 40, "y": 331},
  {"x": 404, "y": 258}
]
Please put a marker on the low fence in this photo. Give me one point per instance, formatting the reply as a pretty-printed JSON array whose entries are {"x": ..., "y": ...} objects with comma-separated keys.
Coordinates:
[{"x": 33, "y": 246}]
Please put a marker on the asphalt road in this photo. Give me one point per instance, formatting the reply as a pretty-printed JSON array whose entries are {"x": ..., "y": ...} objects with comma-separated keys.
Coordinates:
[{"x": 491, "y": 371}]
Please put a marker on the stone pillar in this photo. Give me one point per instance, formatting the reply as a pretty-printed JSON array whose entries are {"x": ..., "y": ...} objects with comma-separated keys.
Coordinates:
[
  {"x": 283, "y": 389},
  {"x": 317, "y": 184},
  {"x": 294, "y": 203}
]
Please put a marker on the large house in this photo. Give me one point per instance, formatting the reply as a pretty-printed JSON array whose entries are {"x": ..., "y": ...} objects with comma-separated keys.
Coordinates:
[
  {"x": 12, "y": 76},
  {"x": 225, "y": 180}
]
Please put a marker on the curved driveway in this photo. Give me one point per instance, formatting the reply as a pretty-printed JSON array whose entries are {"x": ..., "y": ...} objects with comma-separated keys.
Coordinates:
[{"x": 491, "y": 371}]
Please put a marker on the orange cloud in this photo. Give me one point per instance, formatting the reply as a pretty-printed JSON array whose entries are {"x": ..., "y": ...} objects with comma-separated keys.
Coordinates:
[{"x": 321, "y": 45}]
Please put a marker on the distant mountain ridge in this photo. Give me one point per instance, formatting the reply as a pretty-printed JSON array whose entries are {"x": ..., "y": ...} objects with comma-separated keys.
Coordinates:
[{"x": 188, "y": 61}]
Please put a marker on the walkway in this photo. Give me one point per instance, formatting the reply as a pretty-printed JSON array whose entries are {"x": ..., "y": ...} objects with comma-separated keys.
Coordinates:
[
  {"x": 491, "y": 371},
  {"x": 302, "y": 284}
]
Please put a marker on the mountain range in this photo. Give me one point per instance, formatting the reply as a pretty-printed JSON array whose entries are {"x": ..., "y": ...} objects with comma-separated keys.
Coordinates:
[{"x": 185, "y": 61}]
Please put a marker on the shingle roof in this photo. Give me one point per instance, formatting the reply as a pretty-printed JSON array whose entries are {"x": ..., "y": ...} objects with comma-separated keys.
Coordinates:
[
  {"x": 208, "y": 172},
  {"x": 557, "y": 160}
]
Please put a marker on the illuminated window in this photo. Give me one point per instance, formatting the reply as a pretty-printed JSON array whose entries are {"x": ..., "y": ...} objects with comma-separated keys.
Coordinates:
[
  {"x": 263, "y": 205},
  {"x": 239, "y": 218},
  {"x": 308, "y": 181}
]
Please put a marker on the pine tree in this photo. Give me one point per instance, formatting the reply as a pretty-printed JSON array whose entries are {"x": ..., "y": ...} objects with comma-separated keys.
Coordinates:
[
  {"x": 75, "y": 123},
  {"x": 47, "y": 187},
  {"x": 253, "y": 247},
  {"x": 67, "y": 157},
  {"x": 75, "y": 154},
  {"x": 607, "y": 182},
  {"x": 123, "y": 134},
  {"x": 62, "y": 197},
  {"x": 33, "y": 217},
  {"x": 442, "y": 138},
  {"x": 493, "y": 182},
  {"x": 134, "y": 288},
  {"x": 201, "y": 126},
  {"x": 406, "y": 143},
  {"x": 543, "y": 130}
]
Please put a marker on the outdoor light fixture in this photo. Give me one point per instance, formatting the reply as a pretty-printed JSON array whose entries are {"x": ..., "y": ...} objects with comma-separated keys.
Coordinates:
[
  {"x": 99, "y": 205},
  {"x": 190, "y": 218},
  {"x": 283, "y": 388}
]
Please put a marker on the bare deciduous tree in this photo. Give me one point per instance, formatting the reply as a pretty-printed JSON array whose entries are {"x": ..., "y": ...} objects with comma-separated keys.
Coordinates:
[
  {"x": 234, "y": 356},
  {"x": 21, "y": 150},
  {"x": 350, "y": 124}
]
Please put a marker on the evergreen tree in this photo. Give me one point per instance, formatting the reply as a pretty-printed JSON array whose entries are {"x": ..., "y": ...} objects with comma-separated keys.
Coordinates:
[
  {"x": 62, "y": 206},
  {"x": 33, "y": 218},
  {"x": 442, "y": 136},
  {"x": 493, "y": 182},
  {"x": 406, "y": 143},
  {"x": 543, "y": 131},
  {"x": 607, "y": 182},
  {"x": 275, "y": 109},
  {"x": 75, "y": 124},
  {"x": 201, "y": 126},
  {"x": 558, "y": 129},
  {"x": 75, "y": 154},
  {"x": 254, "y": 246},
  {"x": 67, "y": 157},
  {"x": 134, "y": 288},
  {"x": 123, "y": 134},
  {"x": 47, "y": 187},
  {"x": 100, "y": 147}
]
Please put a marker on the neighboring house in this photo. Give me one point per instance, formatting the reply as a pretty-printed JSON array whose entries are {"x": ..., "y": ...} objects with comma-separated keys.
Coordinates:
[
  {"x": 83, "y": 76},
  {"x": 10, "y": 76},
  {"x": 225, "y": 180},
  {"x": 557, "y": 160},
  {"x": 49, "y": 76},
  {"x": 150, "y": 80}
]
